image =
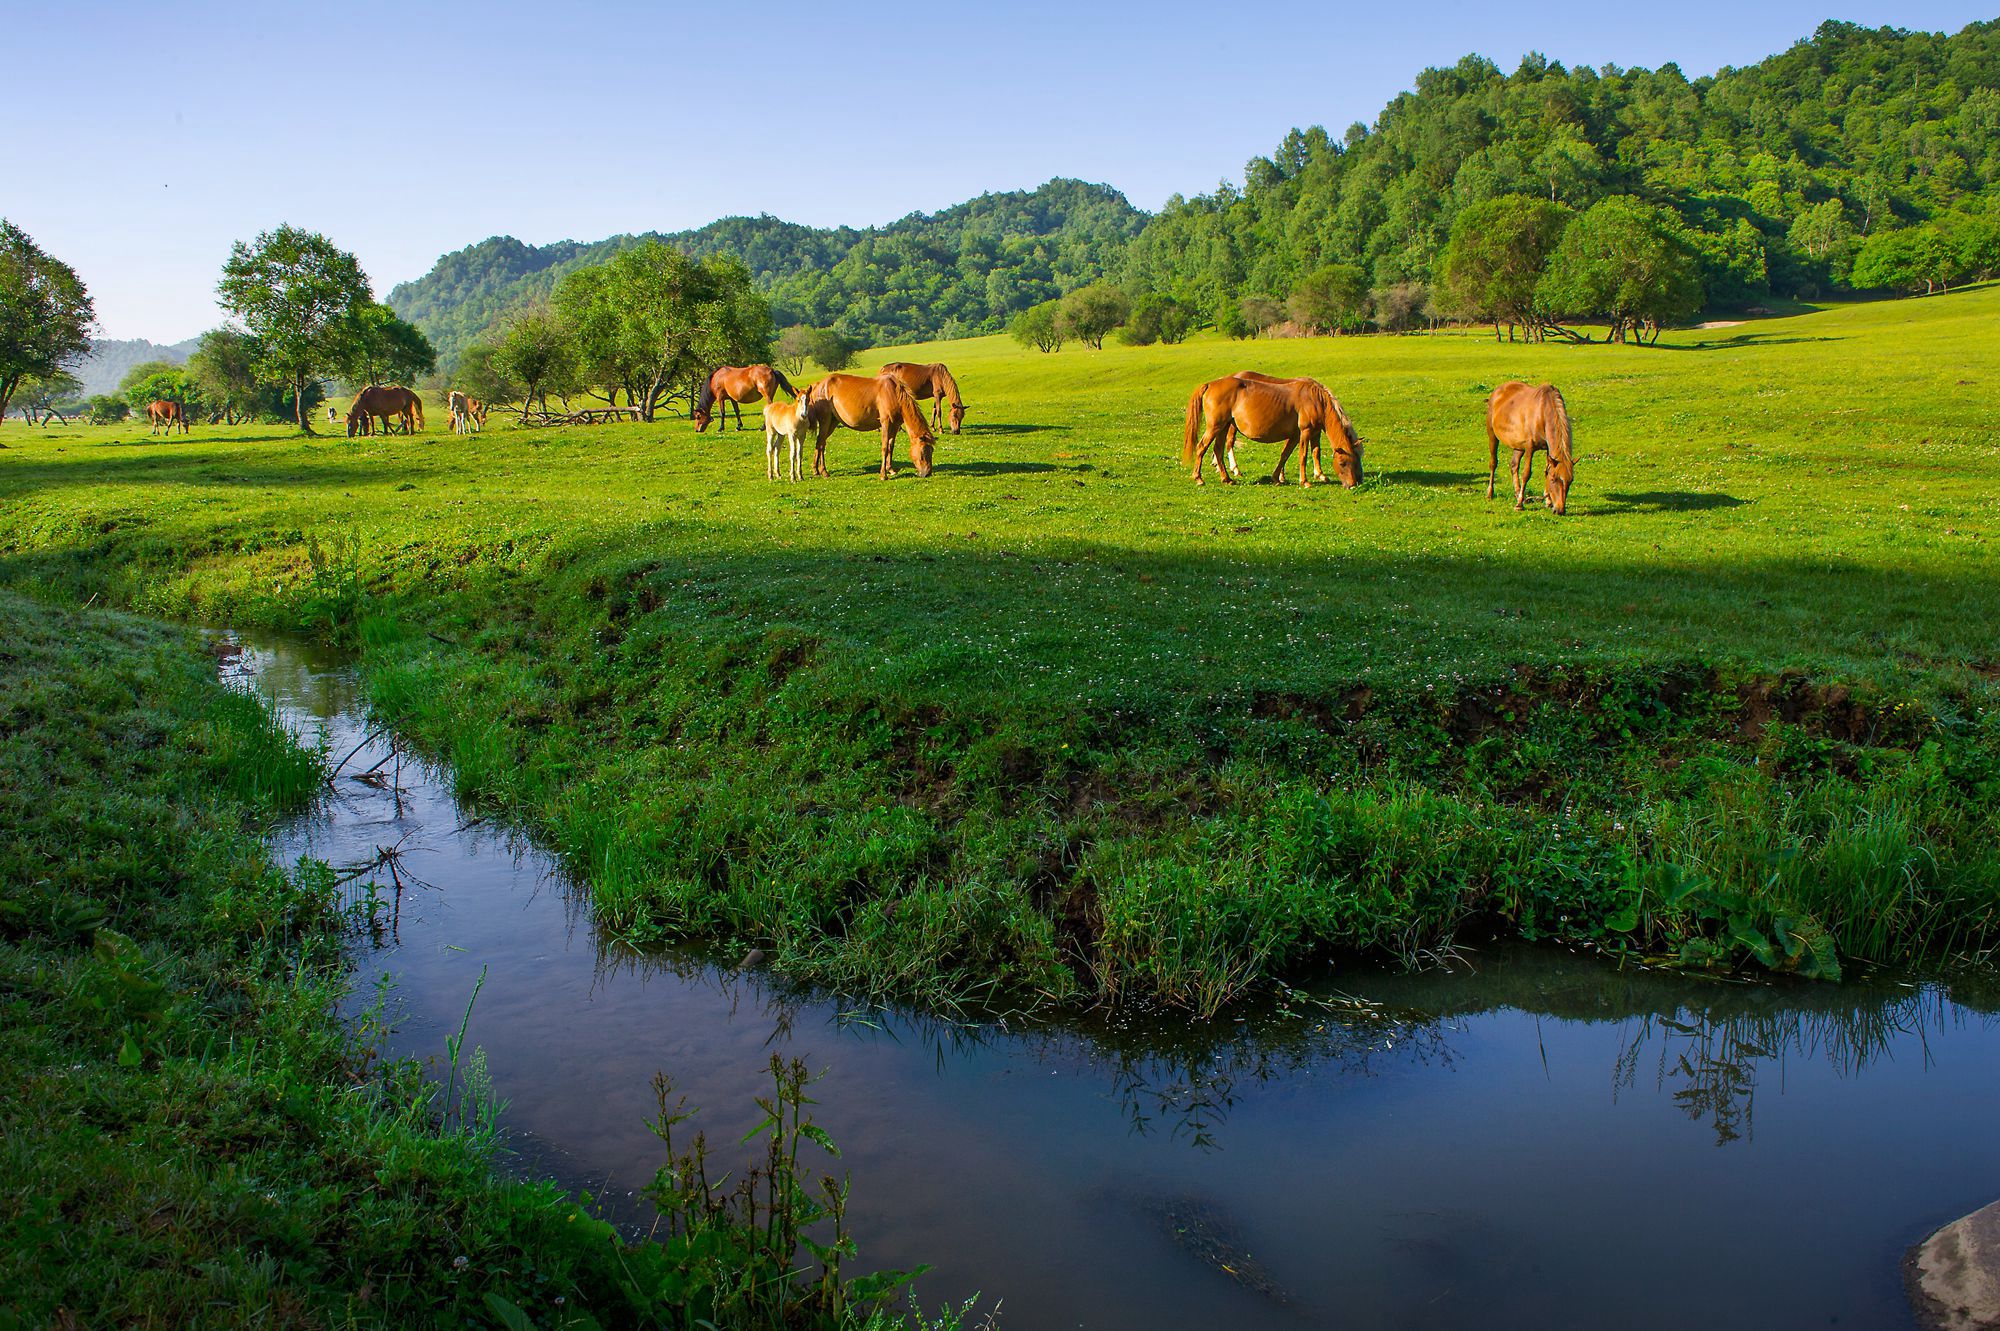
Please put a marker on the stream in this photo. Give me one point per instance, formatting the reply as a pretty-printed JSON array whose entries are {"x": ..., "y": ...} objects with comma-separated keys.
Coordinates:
[{"x": 1539, "y": 1140}]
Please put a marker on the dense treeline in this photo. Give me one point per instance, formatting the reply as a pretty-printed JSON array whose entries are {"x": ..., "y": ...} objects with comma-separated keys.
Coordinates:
[
  {"x": 1778, "y": 175},
  {"x": 1860, "y": 159},
  {"x": 964, "y": 270}
]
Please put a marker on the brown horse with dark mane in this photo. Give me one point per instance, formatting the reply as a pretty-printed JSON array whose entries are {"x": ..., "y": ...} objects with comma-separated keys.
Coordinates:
[
  {"x": 1296, "y": 412},
  {"x": 878, "y": 403},
  {"x": 384, "y": 402},
  {"x": 733, "y": 385},
  {"x": 1530, "y": 419},
  {"x": 162, "y": 412},
  {"x": 934, "y": 382}
]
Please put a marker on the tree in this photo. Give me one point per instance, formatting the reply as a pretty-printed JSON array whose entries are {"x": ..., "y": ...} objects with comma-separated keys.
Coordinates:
[
  {"x": 538, "y": 354},
  {"x": 297, "y": 293},
  {"x": 106, "y": 409},
  {"x": 223, "y": 370},
  {"x": 792, "y": 349},
  {"x": 484, "y": 373},
  {"x": 652, "y": 321},
  {"x": 1089, "y": 312},
  {"x": 1914, "y": 257},
  {"x": 1401, "y": 307},
  {"x": 380, "y": 348},
  {"x": 157, "y": 381},
  {"x": 1257, "y": 315},
  {"x": 1038, "y": 327},
  {"x": 53, "y": 395},
  {"x": 1624, "y": 261},
  {"x": 46, "y": 314},
  {"x": 1330, "y": 298},
  {"x": 1494, "y": 261},
  {"x": 1157, "y": 318},
  {"x": 832, "y": 350}
]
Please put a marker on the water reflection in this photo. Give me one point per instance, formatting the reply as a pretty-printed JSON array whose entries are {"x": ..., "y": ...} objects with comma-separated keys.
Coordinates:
[{"x": 1487, "y": 1145}]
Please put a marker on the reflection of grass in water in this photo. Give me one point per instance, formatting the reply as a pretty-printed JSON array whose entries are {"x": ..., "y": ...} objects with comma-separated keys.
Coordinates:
[{"x": 1204, "y": 1231}]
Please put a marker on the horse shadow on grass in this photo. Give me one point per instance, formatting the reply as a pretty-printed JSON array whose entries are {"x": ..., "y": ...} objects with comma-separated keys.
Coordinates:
[
  {"x": 1668, "y": 501},
  {"x": 999, "y": 429},
  {"x": 1741, "y": 342},
  {"x": 1439, "y": 479},
  {"x": 989, "y": 467}
]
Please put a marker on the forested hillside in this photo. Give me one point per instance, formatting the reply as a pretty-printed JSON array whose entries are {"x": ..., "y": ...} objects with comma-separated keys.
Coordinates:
[
  {"x": 1812, "y": 171},
  {"x": 965, "y": 269},
  {"x": 111, "y": 359}
]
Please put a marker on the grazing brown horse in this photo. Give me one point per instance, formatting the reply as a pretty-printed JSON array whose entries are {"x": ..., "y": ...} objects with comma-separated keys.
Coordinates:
[
  {"x": 1297, "y": 412},
  {"x": 385, "y": 401},
  {"x": 161, "y": 412},
  {"x": 734, "y": 385},
  {"x": 878, "y": 403},
  {"x": 1262, "y": 378},
  {"x": 1528, "y": 419},
  {"x": 931, "y": 381}
]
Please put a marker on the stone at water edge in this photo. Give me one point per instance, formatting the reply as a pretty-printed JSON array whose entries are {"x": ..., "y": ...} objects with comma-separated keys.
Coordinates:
[{"x": 1954, "y": 1275}]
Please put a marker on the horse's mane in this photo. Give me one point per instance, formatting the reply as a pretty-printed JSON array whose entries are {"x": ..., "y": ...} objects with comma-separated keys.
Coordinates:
[
  {"x": 783, "y": 382},
  {"x": 938, "y": 371},
  {"x": 1556, "y": 413},
  {"x": 704, "y": 401},
  {"x": 913, "y": 415}
]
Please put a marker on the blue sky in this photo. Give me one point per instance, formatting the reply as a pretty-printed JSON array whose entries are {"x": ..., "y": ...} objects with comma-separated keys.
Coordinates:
[{"x": 138, "y": 140}]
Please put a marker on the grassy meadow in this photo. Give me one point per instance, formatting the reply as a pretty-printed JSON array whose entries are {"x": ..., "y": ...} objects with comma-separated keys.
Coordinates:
[{"x": 1055, "y": 724}]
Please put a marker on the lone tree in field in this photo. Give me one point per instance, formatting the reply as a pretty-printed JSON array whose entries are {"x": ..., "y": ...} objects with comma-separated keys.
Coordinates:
[
  {"x": 298, "y": 294},
  {"x": 381, "y": 348},
  {"x": 46, "y": 315},
  {"x": 1088, "y": 313},
  {"x": 1494, "y": 262},
  {"x": 792, "y": 349},
  {"x": 653, "y": 321},
  {"x": 1157, "y": 318},
  {"x": 834, "y": 351},
  {"x": 537, "y": 353},
  {"x": 1039, "y": 327},
  {"x": 1330, "y": 299},
  {"x": 1624, "y": 261}
]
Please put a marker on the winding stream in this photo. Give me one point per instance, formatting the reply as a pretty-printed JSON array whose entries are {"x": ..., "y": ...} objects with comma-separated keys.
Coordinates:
[{"x": 1544, "y": 1143}]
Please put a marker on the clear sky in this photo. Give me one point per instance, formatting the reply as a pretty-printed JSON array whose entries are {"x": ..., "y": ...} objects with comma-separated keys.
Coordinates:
[{"x": 137, "y": 140}]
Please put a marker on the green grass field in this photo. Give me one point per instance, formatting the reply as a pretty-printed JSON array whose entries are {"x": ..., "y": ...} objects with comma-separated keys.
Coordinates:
[{"x": 1055, "y": 723}]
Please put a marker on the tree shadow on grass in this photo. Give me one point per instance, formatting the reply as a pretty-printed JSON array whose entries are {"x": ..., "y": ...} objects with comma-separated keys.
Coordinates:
[
  {"x": 1742, "y": 342},
  {"x": 1668, "y": 501}
]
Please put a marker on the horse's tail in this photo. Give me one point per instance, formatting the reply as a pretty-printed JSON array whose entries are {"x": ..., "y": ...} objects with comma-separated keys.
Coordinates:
[
  {"x": 1193, "y": 422},
  {"x": 417, "y": 409},
  {"x": 783, "y": 382},
  {"x": 1556, "y": 423}
]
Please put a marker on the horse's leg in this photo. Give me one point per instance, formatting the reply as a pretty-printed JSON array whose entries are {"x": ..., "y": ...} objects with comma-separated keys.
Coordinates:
[
  {"x": 1521, "y": 478},
  {"x": 1219, "y": 433},
  {"x": 770, "y": 452},
  {"x": 1284, "y": 456},
  {"x": 1492, "y": 458},
  {"x": 1308, "y": 441},
  {"x": 889, "y": 426},
  {"x": 1233, "y": 469}
]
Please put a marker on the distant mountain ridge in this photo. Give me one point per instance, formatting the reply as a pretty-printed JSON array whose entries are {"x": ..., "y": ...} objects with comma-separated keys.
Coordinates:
[
  {"x": 975, "y": 265},
  {"x": 111, "y": 358}
]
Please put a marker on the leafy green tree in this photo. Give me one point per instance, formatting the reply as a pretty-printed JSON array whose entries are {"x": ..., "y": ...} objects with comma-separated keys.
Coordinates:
[
  {"x": 832, "y": 350},
  {"x": 46, "y": 314},
  {"x": 1494, "y": 261},
  {"x": 377, "y": 347},
  {"x": 1091, "y": 312},
  {"x": 52, "y": 396},
  {"x": 1401, "y": 307},
  {"x": 1330, "y": 298},
  {"x": 141, "y": 383},
  {"x": 1257, "y": 315},
  {"x": 653, "y": 321},
  {"x": 484, "y": 373},
  {"x": 1917, "y": 257},
  {"x": 1623, "y": 261},
  {"x": 106, "y": 409},
  {"x": 536, "y": 355},
  {"x": 792, "y": 349},
  {"x": 224, "y": 371},
  {"x": 1039, "y": 327},
  {"x": 297, "y": 293},
  {"x": 1157, "y": 318}
]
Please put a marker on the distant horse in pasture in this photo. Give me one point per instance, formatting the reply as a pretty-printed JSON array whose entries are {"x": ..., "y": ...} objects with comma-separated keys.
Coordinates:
[
  {"x": 1297, "y": 413},
  {"x": 385, "y": 402},
  {"x": 931, "y": 381},
  {"x": 467, "y": 413},
  {"x": 791, "y": 422},
  {"x": 1530, "y": 419},
  {"x": 162, "y": 412},
  {"x": 734, "y": 385},
  {"x": 860, "y": 403}
]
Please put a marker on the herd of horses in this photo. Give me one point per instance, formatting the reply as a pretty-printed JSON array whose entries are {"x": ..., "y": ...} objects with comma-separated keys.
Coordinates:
[{"x": 1298, "y": 413}]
